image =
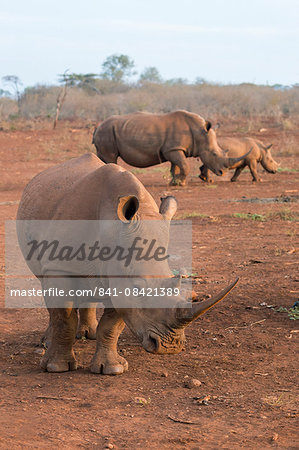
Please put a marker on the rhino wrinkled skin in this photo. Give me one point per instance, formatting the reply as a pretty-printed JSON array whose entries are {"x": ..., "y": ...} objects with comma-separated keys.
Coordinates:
[
  {"x": 238, "y": 146},
  {"x": 144, "y": 139},
  {"x": 86, "y": 189}
]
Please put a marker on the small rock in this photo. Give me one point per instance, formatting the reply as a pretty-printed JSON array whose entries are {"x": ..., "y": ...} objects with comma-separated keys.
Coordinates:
[
  {"x": 164, "y": 374},
  {"x": 40, "y": 350},
  {"x": 109, "y": 446},
  {"x": 192, "y": 383},
  {"x": 204, "y": 400},
  {"x": 274, "y": 437},
  {"x": 142, "y": 401}
]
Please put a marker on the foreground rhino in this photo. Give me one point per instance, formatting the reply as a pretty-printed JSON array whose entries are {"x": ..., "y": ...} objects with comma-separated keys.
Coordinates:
[
  {"x": 236, "y": 147},
  {"x": 145, "y": 139},
  {"x": 86, "y": 189}
]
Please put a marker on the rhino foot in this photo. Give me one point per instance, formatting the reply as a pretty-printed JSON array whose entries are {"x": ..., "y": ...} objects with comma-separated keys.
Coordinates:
[
  {"x": 108, "y": 364},
  {"x": 205, "y": 179},
  {"x": 177, "y": 182},
  {"x": 87, "y": 331},
  {"x": 53, "y": 361}
]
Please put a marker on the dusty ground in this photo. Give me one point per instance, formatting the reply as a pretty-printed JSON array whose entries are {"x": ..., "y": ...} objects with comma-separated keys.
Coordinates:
[{"x": 242, "y": 352}]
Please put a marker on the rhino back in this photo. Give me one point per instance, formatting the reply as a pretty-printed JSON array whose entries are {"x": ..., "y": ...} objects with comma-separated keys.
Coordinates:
[
  {"x": 46, "y": 190},
  {"x": 144, "y": 139},
  {"x": 83, "y": 188},
  {"x": 239, "y": 146}
]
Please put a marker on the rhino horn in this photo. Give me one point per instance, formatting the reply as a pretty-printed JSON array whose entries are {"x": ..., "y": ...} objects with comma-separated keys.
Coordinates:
[
  {"x": 232, "y": 161},
  {"x": 187, "y": 315}
]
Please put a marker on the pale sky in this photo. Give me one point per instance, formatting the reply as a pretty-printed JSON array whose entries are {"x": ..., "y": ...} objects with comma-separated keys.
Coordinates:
[{"x": 226, "y": 41}]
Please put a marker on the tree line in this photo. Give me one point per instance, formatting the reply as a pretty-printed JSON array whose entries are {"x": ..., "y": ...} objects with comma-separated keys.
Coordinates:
[{"x": 117, "y": 90}]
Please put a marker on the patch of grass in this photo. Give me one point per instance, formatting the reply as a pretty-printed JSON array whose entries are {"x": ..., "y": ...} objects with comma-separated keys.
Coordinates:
[
  {"x": 293, "y": 313},
  {"x": 249, "y": 216},
  {"x": 212, "y": 186},
  {"x": 287, "y": 124},
  {"x": 190, "y": 215},
  {"x": 291, "y": 233},
  {"x": 287, "y": 169},
  {"x": 177, "y": 273},
  {"x": 138, "y": 170},
  {"x": 142, "y": 401},
  {"x": 50, "y": 153},
  {"x": 285, "y": 214},
  {"x": 273, "y": 400},
  {"x": 160, "y": 169}
]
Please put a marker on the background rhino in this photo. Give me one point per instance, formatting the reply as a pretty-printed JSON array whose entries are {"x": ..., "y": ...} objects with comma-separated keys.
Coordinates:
[
  {"x": 86, "y": 189},
  {"x": 145, "y": 139},
  {"x": 238, "y": 146}
]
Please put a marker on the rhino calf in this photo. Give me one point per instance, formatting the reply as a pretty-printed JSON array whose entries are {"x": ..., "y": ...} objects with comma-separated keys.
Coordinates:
[
  {"x": 236, "y": 147},
  {"x": 144, "y": 139},
  {"x": 85, "y": 189}
]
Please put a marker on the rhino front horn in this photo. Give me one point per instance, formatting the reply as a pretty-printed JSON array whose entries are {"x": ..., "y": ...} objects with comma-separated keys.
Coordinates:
[
  {"x": 232, "y": 161},
  {"x": 187, "y": 315}
]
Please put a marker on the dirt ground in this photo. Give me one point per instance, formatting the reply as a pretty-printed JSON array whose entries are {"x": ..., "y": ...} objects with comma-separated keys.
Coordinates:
[{"x": 242, "y": 351}]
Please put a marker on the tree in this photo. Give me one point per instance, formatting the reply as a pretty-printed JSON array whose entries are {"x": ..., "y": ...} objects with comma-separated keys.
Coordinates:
[
  {"x": 200, "y": 80},
  {"x": 118, "y": 68},
  {"x": 62, "y": 78},
  {"x": 177, "y": 81},
  {"x": 81, "y": 80},
  {"x": 151, "y": 75},
  {"x": 4, "y": 93},
  {"x": 15, "y": 83}
]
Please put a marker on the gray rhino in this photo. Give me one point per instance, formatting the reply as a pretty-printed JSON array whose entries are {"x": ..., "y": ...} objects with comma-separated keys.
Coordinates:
[
  {"x": 145, "y": 139},
  {"x": 86, "y": 189},
  {"x": 236, "y": 147}
]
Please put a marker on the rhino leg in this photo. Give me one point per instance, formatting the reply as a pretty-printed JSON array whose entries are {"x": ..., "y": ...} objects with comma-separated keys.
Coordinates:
[
  {"x": 237, "y": 173},
  {"x": 88, "y": 323},
  {"x": 253, "y": 170},
  {"x": 60, "y": 357},
  {"x": 178, "y": 158},
  {"x": 205, "y": 174},
  {"x": 106, "y": 359},
  {"x": 45, "y": 340},
  {"x": 175, "y": 170}
]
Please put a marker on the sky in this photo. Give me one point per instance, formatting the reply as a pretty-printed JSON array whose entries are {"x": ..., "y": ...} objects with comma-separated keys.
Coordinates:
[{"x": 226, "y": 41}]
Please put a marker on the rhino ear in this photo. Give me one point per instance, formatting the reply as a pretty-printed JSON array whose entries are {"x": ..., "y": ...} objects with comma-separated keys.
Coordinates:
[
  {"x": 168, "y": 207},
  {"x": 208, "y": 125},
  {"x": 268, "y": 147},
  {"x": 127, "y": 207}
]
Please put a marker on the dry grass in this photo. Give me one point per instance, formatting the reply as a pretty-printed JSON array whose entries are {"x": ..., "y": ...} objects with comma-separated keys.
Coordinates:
[{"x": 246, "y": 100}]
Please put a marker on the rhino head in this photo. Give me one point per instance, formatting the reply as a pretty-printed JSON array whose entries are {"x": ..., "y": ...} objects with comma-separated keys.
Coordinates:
[
  {"x": 267, "y": 160},
  {"x": 212, "y": 155},
  {"x": 160, "y": 329}
]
